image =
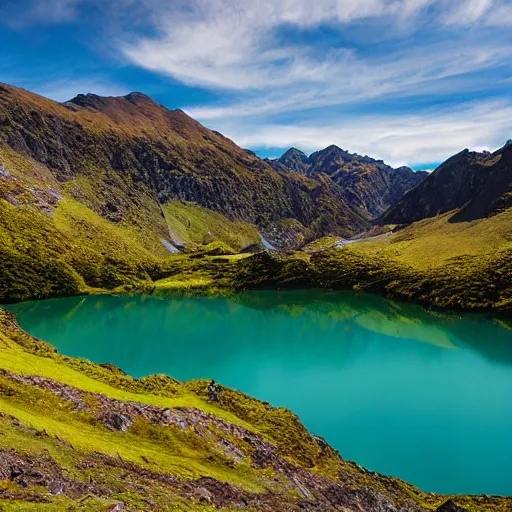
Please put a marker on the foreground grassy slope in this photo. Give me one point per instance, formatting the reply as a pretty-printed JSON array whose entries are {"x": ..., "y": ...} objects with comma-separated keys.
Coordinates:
[{"x": 156, "y": 443}]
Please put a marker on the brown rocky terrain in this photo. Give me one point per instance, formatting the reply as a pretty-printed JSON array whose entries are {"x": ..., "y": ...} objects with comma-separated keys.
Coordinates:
[
  {"x": 476, "y": 184},
  {"x": 124, "y": 157},
  {"x": 367, "y": 184}
]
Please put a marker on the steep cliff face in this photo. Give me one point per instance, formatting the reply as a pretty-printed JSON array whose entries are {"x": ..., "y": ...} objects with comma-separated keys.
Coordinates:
[
  {"x": 366, "y": 183},
  {"x": 475, "y": 184},
  {"x": 123, "y": 157}
]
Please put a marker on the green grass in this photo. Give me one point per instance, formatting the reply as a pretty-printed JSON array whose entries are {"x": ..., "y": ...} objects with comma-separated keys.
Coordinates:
[
  {"x": 434, "y": 242},
  {"x": 48, "y": 429},
  {"x": 17, "y": 360},
  {"x": 322, "y": 244},
  {"x": 192, "y": 225}
]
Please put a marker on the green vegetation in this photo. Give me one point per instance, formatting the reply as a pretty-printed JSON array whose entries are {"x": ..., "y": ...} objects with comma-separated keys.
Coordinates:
[
  {"x": 96, "y": 218},
  {"x": 192, "y": 225},
  {"x": 174, "y": 451},
  {"x": 436, "y": 241},
  {"x": 438, "y": 263},
  {"x": 322, "y": 244}
]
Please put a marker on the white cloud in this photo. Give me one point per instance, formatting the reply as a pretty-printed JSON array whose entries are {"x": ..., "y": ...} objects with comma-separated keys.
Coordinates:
[
  {"x": 256, "y": 56},
  {"x": 466, "y": 12},
  {"x": 430, "y": 69},
  {"x": 501, "y": 16},
  {"x": 237, "y": 45},
  {"x": 401, "y": 139}
]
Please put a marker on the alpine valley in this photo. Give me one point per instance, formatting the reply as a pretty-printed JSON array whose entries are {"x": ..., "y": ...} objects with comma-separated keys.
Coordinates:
[{"x": 119, "y": 195}]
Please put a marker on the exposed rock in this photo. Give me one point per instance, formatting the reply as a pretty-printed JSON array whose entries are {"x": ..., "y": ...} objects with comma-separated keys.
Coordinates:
[
  {"x": 118, "y": 422},
  {"x": 450, "y": 506},
  {"x": 149, "y": 155},
  {"x": 4, "y": 173},
  {"x": 318, "y": 493},
  {"x": 478, "y": 184},
  {"x": 292, "y": 160},
  {"x": 366, "y": 183},
  {"x": 31, "y": 470}
]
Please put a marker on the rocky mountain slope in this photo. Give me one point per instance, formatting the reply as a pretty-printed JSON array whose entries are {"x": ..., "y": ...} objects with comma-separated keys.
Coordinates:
[
  {"x": 476, "y": 184},
  {"x": 126, "y": 157},
  {"x": 114, "y": 443},
  {"x": 94, "y": 196},
  {"x": 366, "y": 183}
]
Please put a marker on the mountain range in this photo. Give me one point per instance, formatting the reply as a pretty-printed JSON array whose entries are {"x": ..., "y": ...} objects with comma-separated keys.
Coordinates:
[
  {"x": 368, "y": 185},
  {"x": 140, "y": 155},
  {"x": 121, "y": 195},
  {"x": 476, "y": 184},
  {"x": 104, "y": 192}
]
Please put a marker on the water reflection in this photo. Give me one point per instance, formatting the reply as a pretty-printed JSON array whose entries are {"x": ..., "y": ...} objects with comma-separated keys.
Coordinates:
[{"x": 418, "y": 394}]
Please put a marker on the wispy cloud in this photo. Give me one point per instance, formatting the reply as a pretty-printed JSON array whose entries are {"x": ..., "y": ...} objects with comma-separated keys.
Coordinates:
[
  {"x": 399, "y": 139},
  {"x": 22, "y": 13},
  {"x": 245, "y": 49},
  {"x": 297, "y": 72},
  {"x": 238, "y": 45}
]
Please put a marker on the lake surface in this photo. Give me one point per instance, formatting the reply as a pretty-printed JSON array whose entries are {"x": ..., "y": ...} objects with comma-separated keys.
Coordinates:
[{"x": 423, "y": 396}]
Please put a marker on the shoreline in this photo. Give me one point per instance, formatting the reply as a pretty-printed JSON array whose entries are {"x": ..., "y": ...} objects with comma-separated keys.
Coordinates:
[
  {"x": 114, "y": 376},
  {"x": 151, "y": 290}
]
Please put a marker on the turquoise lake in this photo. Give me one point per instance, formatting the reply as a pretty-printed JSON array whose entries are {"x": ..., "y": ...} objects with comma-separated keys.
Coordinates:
[{"x": 423, "y": 396}]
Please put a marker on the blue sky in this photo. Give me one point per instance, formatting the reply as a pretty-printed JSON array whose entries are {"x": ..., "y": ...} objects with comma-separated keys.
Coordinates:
[{"x": 408, "y": 81}]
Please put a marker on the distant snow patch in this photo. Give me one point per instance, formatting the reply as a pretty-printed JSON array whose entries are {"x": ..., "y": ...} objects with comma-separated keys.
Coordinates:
[
  {"x": 5, "y": 173},
  {"x": 169, "y": 246},
  {"x": 267, "y": 244}
]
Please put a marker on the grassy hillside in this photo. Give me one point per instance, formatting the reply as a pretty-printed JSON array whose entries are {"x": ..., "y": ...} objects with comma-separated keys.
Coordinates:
[
  {"x": 125, "y": 157},
  {"x": 460, "y": 265},
  {"x": 189, "y": 224},
  {"x": 156, "y": 443},
  {"x": 436, "y": 262},
  {"x": 436, "y": 241},
  {"x": 53, "y": 244}
]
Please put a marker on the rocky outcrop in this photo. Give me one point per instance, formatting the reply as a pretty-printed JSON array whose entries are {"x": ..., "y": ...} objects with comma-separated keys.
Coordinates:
[
  {"x": 476, "y": 184},
  {"x": 367, "y": 184},
  {"x": 293, "y": 160},
  {"x": 450, "y": 506},
  {"x": 137, "y": 154}
]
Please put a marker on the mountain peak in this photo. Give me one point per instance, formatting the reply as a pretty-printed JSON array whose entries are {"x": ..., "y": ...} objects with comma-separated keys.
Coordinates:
[
  {"x": 96, "y": 102},
  {"x": 293, "y": 151},
  {"x": 295, "y": 160},
  {"x": 138, "y": 97},
  {"x": 89, "y": 100}
]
